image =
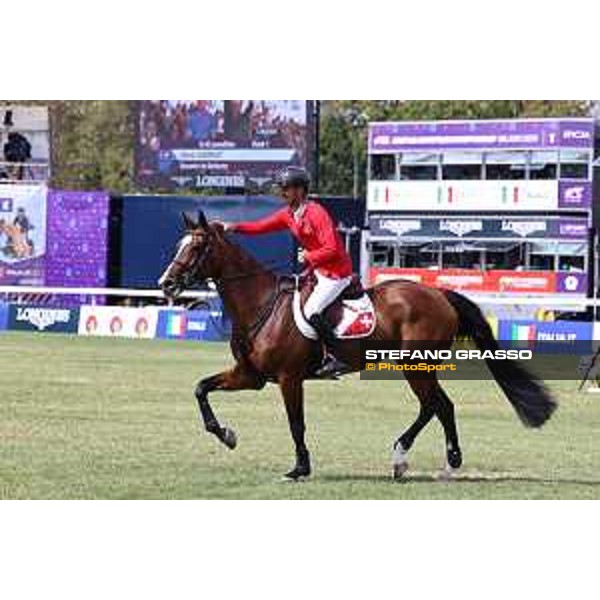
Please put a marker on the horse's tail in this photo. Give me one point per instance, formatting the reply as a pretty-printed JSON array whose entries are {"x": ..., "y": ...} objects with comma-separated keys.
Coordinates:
[{"x": 530, "y": 398}]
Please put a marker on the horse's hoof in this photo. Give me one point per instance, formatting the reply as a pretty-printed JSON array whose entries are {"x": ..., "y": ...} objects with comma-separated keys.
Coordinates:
[
  {"x": 228, "y": 437},
  {"x": 399, "y": 470},
  {"x": 447, "y": 473},
  {"x": 454, "y": 459},
  {"x": 295, "y": 475}
]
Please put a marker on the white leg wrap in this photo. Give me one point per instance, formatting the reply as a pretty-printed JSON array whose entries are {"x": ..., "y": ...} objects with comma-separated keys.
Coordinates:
[{"x": 400, "y": 455}]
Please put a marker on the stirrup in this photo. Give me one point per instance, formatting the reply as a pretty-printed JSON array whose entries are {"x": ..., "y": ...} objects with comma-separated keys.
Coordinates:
[{"x": 331, "y": 368}]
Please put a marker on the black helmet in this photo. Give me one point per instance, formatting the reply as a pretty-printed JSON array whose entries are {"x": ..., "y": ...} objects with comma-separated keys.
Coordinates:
[{"x": 293, "y": 177}]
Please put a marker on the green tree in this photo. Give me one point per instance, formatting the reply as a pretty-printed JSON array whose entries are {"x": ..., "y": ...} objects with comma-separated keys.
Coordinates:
[{"x": 93, "y": 144}]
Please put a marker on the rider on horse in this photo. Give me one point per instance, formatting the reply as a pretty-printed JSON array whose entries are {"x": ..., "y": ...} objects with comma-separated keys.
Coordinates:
[{"x": 321, "y": 248}]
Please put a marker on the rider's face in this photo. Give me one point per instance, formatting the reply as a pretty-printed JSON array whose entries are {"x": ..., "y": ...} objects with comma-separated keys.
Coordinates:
[{"x": 292, "y": 195}]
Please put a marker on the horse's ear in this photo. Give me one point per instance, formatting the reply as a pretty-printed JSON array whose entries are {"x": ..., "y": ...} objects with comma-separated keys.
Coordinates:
[
  {"x": 202, "y": 222},
  {"x": 218, "y": 228},
  {"x": 189, "y": 222}
]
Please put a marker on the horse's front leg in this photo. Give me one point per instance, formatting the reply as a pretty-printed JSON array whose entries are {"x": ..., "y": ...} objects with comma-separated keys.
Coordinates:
[
  {"x": 238, "y": 378},
  {"x": 293, "y": 396}
]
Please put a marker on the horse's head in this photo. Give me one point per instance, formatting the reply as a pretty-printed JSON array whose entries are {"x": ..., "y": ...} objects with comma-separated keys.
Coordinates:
[{"x": 195, "y": 257}]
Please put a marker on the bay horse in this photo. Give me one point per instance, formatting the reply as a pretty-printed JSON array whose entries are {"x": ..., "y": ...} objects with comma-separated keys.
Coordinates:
[{"x": 268, "y": 347}]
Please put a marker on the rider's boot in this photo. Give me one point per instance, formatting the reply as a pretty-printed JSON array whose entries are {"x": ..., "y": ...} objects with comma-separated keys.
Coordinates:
[{"x": 331, "y": 367}]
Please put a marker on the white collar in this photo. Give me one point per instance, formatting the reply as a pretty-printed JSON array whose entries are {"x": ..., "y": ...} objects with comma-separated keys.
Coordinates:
[{"x": 299, "y": 212}]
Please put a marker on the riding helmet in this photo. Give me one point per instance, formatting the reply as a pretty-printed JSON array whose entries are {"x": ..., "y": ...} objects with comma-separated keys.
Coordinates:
[{"x": 293, "y": 177}]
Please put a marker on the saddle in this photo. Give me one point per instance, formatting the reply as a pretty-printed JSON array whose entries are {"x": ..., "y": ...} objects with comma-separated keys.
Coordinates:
[{"x": 351, "y": 315}]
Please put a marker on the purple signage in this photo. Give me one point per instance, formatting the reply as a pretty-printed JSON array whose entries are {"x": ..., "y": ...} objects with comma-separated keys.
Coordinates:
[
  {"x": 574, "y": 194},
  {"x": 571, "y": 283},
  {"x": 77, "y": 239},
  {"x": 572, "y": 229},
  {"x": 577, "y": 134},
  {"x": 514, "y": 134}
]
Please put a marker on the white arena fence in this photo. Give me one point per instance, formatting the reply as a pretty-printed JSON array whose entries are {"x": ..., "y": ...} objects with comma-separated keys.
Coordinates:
[
  {"x": 19, "y": 293},
  {"x": 549, "y": 301},
  {"x": 129, "y": 312}
]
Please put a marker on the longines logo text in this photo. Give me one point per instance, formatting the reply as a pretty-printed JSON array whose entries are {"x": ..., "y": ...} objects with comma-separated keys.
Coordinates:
[{"x": 43, "y": 317}]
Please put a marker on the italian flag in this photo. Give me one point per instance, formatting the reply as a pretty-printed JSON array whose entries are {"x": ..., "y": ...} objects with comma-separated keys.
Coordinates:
[{"x": 176, "y": 325}]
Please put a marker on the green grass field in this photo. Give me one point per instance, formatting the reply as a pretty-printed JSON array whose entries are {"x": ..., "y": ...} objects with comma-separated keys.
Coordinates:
[{"x": 99, "y": 418}]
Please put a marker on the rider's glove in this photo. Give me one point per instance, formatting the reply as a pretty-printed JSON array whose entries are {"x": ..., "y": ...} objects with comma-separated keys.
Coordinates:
[{"x": 301, "y": 259}]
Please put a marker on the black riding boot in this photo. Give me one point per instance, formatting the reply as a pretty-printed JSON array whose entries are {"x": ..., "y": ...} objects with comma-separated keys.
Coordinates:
[{"x": 331, "y": 367}]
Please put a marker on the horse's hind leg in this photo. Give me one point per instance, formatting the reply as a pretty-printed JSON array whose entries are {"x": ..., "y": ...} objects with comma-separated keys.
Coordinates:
[
  {"x": 293, "y": 396},
  {"x": 425, "y": 390},
  {"x": 445, "y": 413}
]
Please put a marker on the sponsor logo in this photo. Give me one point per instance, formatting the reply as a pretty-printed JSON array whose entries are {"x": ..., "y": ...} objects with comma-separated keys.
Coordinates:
[
  {"x": 91, "y": 324},
  {"x": 574, "y": 194},
  {"x": 573, "y": 229},
  {"x": 576, "y": 134},
  {"x": 400, "y": 227},
  {"x": 220, "y": 181},
  {"x": 571, "y": 283},
  {"x": 523, "y": 281},
  {"x": 116, "y": 325},
  {"x": 461, "y": 228},
  {"x": 42, "y": 318},
  {"x": 523, "y": 228},
  {"x": 142, "y": 326},
  {"x": 197, "y": 326}
]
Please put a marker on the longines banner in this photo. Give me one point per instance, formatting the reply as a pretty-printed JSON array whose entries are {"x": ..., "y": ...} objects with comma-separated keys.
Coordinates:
[
  {"x": 467, "y": 227},
  {"x": 46, "y": 319},
  {"x": 479, "y": 196}
]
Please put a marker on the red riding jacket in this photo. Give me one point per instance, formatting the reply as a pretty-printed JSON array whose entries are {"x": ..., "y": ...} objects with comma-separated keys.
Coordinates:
[{"x": 315, "y": 231}]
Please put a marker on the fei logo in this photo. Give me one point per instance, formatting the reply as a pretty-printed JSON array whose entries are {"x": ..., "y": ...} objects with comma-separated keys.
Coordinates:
[
  {"x": 574, "y": 194},
  {"x": 6, "y": 204}
]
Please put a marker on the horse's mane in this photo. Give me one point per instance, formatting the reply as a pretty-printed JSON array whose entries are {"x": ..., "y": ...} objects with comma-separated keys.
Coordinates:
[{"x": 242, "y": 259}]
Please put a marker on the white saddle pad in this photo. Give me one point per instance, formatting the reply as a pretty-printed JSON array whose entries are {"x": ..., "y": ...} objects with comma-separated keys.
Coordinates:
[{"x": 358, "y": 319}]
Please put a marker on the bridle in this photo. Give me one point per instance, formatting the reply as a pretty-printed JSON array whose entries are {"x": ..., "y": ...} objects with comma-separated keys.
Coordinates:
[{"x": 189, "y": 272}]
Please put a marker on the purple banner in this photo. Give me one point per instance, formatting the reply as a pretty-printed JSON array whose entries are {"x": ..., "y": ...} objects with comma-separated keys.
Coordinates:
[
  {"x": 571, "y": 283},
  {"x": 514, "y": 134},
  {"x": 77, "y": 239},
  {"x": 574, "y": 194},
  {"x": 572, "y": 229}
]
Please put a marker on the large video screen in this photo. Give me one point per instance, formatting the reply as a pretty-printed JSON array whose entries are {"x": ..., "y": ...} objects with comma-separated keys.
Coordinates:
[{"x": 220, "y": 143}]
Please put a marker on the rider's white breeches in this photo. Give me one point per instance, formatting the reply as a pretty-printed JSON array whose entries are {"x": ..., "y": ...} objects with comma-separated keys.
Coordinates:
[{"x": 325, "y": 292}]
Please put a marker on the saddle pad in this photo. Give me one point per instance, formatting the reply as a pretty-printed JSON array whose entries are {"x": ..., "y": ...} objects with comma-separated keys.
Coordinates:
[{"x": 358, "y": 319}]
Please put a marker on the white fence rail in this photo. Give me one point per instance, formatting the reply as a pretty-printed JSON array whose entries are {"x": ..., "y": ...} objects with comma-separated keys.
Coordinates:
[
  {"x": 548, "y": 301},
  {"x": 20, "y": 290}
]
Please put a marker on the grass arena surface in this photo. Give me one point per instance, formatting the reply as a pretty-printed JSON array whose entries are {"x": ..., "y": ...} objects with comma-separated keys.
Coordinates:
[{"x": 110, "y": 418}]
